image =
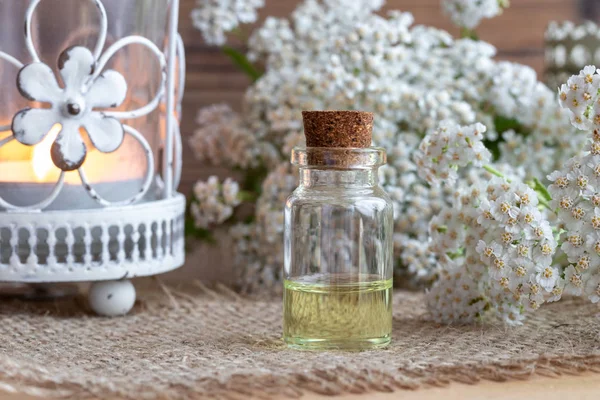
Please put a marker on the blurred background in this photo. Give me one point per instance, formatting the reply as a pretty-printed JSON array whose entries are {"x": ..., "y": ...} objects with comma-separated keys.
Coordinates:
[{"x": 518, "y": 35}]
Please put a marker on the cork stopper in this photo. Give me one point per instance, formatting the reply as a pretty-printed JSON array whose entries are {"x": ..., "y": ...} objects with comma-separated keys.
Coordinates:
[{"x": 348, "y": 129}]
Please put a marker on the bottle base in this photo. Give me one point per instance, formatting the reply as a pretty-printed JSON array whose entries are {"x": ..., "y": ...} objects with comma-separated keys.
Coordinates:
[{"x": 344, "y": 345}]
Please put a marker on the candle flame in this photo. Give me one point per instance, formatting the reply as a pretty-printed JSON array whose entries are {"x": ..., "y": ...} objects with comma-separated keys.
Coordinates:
[{"x": 42, "y": 161}]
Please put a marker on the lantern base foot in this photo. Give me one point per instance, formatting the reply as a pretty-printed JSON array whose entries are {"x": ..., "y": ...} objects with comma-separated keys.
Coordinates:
[{"x": 112, "y": 298}]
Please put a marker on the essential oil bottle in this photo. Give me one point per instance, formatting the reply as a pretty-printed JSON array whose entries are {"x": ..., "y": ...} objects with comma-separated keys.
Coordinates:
[{"x": 338, "y": 238}]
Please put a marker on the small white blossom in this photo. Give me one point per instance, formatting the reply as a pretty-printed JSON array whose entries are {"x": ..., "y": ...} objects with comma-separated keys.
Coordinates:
[
  {"x": 573, "y": 281},
  {"x": 449, "y": 148},
  {"x": 455, "y": 295},
  {"x": 546, "y": 276},
  {"x": 469, "y": 13},
  {"x": 214, "y": 18},
  {"x": 503, "y": 243},
  {"x": 230, "y": 192},
  {"x": 580, "y": 97},
  {"x": 213, "y": 202},
  {"x": 592, "y": 289}
]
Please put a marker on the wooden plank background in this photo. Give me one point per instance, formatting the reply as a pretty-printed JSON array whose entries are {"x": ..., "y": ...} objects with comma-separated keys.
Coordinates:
[{"x": 518, "y": 34}]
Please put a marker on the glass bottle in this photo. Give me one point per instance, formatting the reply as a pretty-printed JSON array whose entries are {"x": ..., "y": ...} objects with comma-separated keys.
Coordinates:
[{"x": 338, "y": 241}]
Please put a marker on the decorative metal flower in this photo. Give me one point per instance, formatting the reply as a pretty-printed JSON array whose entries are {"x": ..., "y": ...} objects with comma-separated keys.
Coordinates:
[
  {"x": 82, "y": 100},
  {"x": 72, "y": 106}
]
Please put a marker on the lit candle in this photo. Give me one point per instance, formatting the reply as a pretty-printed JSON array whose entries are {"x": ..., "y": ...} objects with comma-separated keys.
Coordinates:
[
  {"x": 27, "y": 174},
  {"x": 103, "y": 114}
]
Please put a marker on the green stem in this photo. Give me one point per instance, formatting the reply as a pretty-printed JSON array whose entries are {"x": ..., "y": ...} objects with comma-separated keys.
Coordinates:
[
  {"x": 456, "y": 254},
  {"x": 543, "y": 202},
  {"x": 493, "y": 171},
  {"x": 247, "y": 196},
  {"x": 241, "y": 34},
  {"x": 562, "y": 259},
  {"x": 504, "y": 3},
  {"x": 467, "y": 33},
  {"x": 544, "y": 197},
  {"x": 540, "y": 188}
]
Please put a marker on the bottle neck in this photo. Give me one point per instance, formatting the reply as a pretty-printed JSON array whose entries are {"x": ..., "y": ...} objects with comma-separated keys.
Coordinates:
[{"x": 348, "y": 178}]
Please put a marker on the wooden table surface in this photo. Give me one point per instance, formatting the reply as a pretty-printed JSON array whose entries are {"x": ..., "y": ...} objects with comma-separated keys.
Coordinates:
[
  {"x": 582, "y": 387},
  {"x": 568, "y": 387}
]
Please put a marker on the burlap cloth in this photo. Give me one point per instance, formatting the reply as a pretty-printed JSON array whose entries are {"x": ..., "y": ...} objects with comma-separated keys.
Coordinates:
[{"x": 201, "y": 343}]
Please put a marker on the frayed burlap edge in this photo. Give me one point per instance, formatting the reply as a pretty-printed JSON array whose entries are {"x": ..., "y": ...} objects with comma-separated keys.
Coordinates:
[
  {"x": 337, "y": 382},
  {"x": 332, "y": 381}
]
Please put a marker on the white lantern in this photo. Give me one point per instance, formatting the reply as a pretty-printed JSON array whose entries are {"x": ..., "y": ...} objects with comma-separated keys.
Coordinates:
[{"x": 90, "y": 148}]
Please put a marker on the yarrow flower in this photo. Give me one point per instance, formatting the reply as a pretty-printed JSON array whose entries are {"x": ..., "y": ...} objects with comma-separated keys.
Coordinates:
[
  {"x": 455, "y": 297},
  {"x": 494, "y": 240},
  {"x": 213, "y": 202},
  {"x": 575, "y": 189},
  {"x": 341, "y": 54},
  {"x": 214, "y": 18},
  {"x": 258, "y": 247},
  {"x": 580, "y": 97},
  {"x": 469, "y": 13},
  {"x": 222, "y": 140},
  {"x": 515, "y": 246},
  {"x": 449, "y": 148}
]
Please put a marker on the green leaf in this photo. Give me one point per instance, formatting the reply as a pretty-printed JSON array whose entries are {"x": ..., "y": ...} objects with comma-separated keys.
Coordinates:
[
  {"x": 242, "y": 62},
  {"x": 504, "y": 124},
  {"x": 493, "y": 147},
  {"x": 247, "y": 196},
  {"x": 253, "y": 179},
  {"x": 250, "y": 219}
]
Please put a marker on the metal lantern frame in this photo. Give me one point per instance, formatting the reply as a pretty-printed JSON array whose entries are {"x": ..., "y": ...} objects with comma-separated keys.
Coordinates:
[{"x": 118, "y": 240}]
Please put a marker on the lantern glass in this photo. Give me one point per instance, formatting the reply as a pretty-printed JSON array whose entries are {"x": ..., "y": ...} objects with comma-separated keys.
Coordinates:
[{"x": 27, "y": 173}]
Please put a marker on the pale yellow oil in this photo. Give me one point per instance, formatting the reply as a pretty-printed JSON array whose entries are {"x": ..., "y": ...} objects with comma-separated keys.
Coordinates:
[{"x": 345, "y": 314}]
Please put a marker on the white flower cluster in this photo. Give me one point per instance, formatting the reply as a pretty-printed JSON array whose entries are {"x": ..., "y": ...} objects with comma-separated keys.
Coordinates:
[
  {"x": 495, "y": 248},
  {"x": 221, "y": 139},
  {"x": 575, "y": 189},
  {"x": 545, "y": 137},
  {"x": 259, "y": 248},
  {"x": 415, "y": 203},
  {"x": 214, "y": 18},
  {"x": 469, "y": 13},
  {"x": 341, "y": 55},
  {"x": 213, "y": 202},
  {"x": 580, "y": 96},
  {"x": 449, "y": 148},
  {"x": 514, "y": 267},
  {"x": 576, "y": 196}
]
